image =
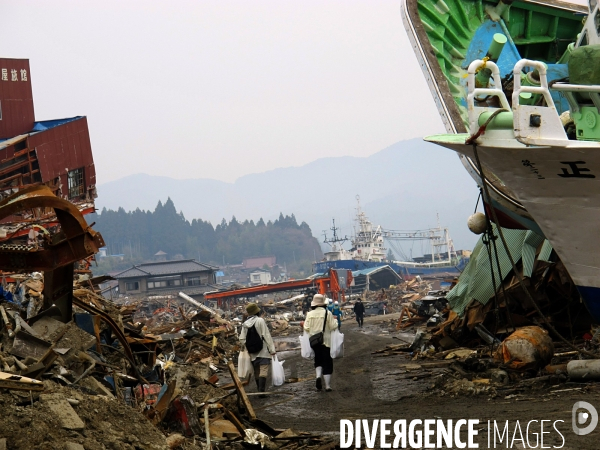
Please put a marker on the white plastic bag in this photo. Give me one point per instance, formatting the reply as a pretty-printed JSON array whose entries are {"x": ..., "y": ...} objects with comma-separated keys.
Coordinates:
[
  {"x": 337, "y": 344},
  {"x": 244, "y": 364},
  {"x": 305, "y": 349},
  {"x": 277, "y": 372}
]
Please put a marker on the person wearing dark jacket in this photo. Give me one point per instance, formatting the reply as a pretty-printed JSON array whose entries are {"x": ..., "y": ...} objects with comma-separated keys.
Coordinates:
[{"x": 359, "y": 311}]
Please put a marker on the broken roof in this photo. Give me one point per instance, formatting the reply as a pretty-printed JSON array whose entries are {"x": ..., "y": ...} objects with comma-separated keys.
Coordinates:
[
  {"x": 165, "y": 268},
  {"x": 38, "y": 126},
  {"x": 373, "y": 270}
]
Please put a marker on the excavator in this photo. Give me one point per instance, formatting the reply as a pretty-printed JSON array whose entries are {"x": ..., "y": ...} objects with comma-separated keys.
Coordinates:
[{"x": 333, "y": 284}]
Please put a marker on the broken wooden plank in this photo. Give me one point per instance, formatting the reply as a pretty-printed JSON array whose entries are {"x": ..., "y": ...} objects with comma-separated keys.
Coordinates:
[
  {"x": 235, "y": 420},
  {"x": 230, "y": 386},
  {"x": 17, "y": 382},
  {"x": 241, "y": 391}
]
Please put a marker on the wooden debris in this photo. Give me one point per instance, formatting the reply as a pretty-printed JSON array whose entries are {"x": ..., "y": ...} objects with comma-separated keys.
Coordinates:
[
  {"x": 12, "y": 381},
  {"x": 241, "y": 392}
]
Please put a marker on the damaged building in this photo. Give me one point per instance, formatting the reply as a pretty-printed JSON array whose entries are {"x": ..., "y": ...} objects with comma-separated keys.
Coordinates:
[{"x": 55, "y": 153}]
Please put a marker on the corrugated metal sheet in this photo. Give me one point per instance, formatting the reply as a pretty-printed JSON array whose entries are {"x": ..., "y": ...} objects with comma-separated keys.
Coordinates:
[
  {"x": 16, "y": 98},
  {"x": 530, "y": 245},
  {"x": 51, "y": 145},
  {"x": 476, "y": 282},
  {"x": 545, "y": 252},
  {"x": 371, "y": 270}
]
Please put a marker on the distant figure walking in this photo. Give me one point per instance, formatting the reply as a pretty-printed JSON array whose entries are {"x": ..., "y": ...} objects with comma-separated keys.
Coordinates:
[
  {"x": 359, "y": 311},
  {"x": 337, "y": 312},
  {"x": 306, "y": 304},
  {"x": 256, "y": 338},
  {"x": 321, "y": 320}
]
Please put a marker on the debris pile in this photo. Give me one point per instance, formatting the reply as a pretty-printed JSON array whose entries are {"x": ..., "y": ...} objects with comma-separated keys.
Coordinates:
[
  {"x": 411, "y": 298},
  {"x": 123, "y": 376},
  {"x": 501, "y": 332}
]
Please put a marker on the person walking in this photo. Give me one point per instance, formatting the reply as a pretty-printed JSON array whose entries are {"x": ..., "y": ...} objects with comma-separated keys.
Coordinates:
[
  {"x": 318, "y": 320},
  {"x": 359, "y": 311},
  {"x": 306, "y": 304},
  {"x": 337, "y": 312},
  {"x": 256, "y": 338}
]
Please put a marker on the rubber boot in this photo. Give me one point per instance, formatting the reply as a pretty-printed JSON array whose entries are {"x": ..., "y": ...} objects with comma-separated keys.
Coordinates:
[
  {"x": 257, "y": 384},
  {"x": 327, "y": 379},
  {"x": 319, "y": 383},
  {"x": 262, "y": 386}
]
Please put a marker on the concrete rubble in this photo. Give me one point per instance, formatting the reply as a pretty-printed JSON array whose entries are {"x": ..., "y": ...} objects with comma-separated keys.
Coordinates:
[{"x": 151, "y": 375}]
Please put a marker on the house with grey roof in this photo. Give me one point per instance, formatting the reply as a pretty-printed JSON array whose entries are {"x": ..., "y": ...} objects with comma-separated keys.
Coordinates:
[{"x": 167, "y": 278}]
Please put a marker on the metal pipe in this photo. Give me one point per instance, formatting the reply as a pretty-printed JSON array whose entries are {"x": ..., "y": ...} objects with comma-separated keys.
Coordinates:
[
  {"x": 207, "y": 427},
  {"x": 501, "y": 121},
  {"x": 9, "y": 327},
  {"x": 482, "y": 78},
  {"x": 205, "y": 308},
  {"x": 17, "y": 322},
  {"x": 525, "y": 98},
  {"x": 498, "y": 42},
  {"x": 5, "y": 366},
  {"x": 20, "y": 364}
]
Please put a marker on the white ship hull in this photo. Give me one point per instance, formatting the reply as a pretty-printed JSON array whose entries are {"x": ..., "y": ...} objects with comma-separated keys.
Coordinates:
[{"x": 565, "y": 202}]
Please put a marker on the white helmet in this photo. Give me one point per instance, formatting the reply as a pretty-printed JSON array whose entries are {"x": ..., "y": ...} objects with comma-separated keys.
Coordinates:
[
  {"x": 328, "y": 301},
  {"x": 336, "y": 303}
]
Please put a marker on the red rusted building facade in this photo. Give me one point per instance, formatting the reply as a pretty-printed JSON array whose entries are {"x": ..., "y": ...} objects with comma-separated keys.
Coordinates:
[{"x": 56, "y": 153}]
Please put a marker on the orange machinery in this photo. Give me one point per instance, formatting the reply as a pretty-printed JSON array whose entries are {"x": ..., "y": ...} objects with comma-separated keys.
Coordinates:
[{"x": 328, "y": 284}]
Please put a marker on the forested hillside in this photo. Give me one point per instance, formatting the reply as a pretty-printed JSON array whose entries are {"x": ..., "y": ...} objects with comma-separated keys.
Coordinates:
[{"x": 140, "y": 234}]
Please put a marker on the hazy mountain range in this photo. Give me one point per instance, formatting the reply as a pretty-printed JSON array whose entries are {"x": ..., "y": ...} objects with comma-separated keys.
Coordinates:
[{"x": 401, "y": 187}]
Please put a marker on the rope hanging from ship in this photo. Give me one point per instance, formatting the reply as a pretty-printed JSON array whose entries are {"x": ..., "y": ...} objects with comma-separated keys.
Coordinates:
[{"x": 486, "y": 196}]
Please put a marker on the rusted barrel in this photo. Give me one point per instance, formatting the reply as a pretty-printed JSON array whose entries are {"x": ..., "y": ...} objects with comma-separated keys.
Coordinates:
[{"x": 525, "y": 349}]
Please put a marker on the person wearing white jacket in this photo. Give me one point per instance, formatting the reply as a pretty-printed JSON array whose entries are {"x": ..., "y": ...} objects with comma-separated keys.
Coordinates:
[
  {"x": 261, "y": 360},
  {"x": 313, "y": 324}
]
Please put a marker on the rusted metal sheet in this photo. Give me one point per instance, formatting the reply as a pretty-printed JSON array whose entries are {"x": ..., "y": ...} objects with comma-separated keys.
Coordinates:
[
  {"x": 55, "y": 162},
  {"x": 16, "y": 98},
  {"x": 76, "y": 240}
]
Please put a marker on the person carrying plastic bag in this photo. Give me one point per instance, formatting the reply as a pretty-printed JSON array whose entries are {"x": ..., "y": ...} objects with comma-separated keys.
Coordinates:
[
  {"x": 256, "y": 338},
  {"x": 320, "y": 320},
  {"x": 244, "y": 364},
  {"x": 337, "y": 344},
  {"x": 305, "y": 349},
  {"x": 277, "y": 372}
]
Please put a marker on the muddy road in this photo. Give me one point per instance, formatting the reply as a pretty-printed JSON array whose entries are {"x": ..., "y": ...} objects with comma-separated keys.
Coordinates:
[{"x": 367, "y": 386}]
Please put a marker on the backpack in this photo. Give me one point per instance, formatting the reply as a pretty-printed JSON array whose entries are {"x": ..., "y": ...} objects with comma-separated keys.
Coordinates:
[{"x": 254, "y": 342}]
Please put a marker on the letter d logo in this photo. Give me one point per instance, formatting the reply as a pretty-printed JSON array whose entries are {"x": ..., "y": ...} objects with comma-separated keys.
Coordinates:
[{"x": 580, "y": 417}]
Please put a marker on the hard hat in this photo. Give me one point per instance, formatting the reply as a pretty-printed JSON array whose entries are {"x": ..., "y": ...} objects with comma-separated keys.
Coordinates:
[
  {"x": 328, "y": 301},
  {"x": 336, "y": 303}
]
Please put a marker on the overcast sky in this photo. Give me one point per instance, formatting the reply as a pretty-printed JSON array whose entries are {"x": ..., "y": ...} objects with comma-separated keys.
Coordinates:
[{"x": 220, "y": 89}]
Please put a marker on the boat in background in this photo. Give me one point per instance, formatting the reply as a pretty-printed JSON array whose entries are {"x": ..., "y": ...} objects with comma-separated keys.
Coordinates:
[
  {"x": 444, "y": 259},
  {"x": 369, "y": 251}
]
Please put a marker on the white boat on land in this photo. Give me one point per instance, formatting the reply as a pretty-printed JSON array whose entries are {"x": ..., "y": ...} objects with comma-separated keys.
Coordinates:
[{"x": 534, "y": 134}]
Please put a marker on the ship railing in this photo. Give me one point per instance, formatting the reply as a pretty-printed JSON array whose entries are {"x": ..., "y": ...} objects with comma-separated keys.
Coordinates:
[
  {"x": 569, "y": 91},
  {"x": 529, "y": 124},
  {"x": 535, "y": 124},
  {"x": 475, "y": 109}
]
